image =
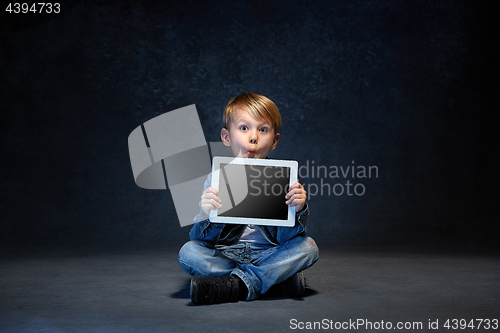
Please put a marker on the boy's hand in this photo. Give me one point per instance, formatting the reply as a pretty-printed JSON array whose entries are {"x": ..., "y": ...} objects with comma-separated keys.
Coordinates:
[
  {"x": 296, "y": 197},
  {"x": 210, "y": 200}
]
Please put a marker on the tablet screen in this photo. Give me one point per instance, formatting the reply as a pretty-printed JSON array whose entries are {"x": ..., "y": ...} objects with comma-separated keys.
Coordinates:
[{"x": 266, "y": 189}]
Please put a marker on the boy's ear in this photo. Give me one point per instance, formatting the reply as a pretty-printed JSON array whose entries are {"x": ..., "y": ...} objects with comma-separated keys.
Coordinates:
[
  {"x": 276, "y": 139},
  {"x": 224, "y": 135}
]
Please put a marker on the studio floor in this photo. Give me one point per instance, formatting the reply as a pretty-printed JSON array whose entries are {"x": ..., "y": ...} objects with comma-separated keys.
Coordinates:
[{"x": 147, "y": 291}]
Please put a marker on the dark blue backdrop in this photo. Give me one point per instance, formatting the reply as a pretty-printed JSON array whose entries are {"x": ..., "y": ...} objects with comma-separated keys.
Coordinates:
[{"x": 406, "y": 86}]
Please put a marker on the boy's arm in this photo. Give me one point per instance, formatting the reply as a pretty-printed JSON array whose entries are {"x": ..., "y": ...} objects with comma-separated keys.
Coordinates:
[
  {"x": 296, "y": 197},
  {"x": 203, "y": 229},
  {"x": 202, "y": 215}
]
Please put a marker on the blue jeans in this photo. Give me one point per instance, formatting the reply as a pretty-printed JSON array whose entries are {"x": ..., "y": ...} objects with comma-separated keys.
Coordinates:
[{"x": 258, "y": 266}]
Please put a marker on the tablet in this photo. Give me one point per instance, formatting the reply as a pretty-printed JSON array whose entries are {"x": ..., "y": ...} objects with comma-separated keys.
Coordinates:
[{"x": 252, "y": 191}]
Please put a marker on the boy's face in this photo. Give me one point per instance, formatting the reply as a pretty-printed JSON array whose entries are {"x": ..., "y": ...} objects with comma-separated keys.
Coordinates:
[{"x": 248, "y": 136}]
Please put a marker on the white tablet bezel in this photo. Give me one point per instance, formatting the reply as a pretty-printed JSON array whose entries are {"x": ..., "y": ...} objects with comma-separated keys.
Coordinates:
[{"x": 217, "y": 160}]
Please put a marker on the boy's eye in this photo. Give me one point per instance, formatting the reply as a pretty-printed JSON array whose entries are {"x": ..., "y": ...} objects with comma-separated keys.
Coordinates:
[
  {"x": 243, "y": 128},
  {"x": 263, "y": 130}
]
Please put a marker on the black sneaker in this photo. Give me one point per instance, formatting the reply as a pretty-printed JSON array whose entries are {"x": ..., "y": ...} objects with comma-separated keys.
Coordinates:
[
  {"x": 214, "y": 290},
  {"x": 294, "y": 286}
]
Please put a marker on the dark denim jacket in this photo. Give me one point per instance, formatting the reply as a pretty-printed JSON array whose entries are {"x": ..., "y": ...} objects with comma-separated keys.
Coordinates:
[{"x": 229, "y": 234}]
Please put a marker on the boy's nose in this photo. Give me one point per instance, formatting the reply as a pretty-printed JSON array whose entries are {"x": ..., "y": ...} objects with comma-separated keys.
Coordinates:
[{"x": 253, "y": 138}]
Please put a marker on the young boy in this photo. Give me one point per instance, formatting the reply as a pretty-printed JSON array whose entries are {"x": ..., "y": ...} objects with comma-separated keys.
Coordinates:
[{"x": 231, "y": 262}]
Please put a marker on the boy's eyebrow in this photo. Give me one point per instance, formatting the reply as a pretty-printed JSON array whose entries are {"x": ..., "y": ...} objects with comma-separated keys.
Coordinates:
[
  {"x": 266, "y": 122},
  {"x": 237, "y": 121}
]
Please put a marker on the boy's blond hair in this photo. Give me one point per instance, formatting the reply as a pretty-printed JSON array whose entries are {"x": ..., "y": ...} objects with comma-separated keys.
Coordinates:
[{"x": 259, "y": 106}]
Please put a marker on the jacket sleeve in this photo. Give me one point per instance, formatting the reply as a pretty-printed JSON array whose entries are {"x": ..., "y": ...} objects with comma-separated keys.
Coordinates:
[
  {"x": 287, "y": 233},
  {"x": 206, "y": 231}
]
